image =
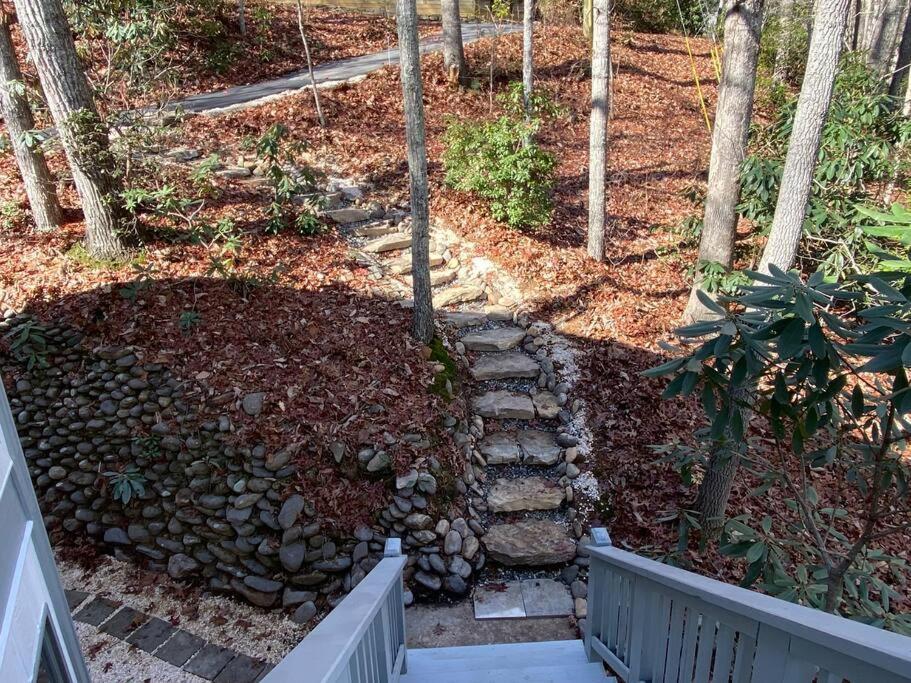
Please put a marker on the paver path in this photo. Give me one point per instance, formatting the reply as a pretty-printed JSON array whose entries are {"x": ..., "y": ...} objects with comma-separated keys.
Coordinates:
[{"x": 331, "y": 71}]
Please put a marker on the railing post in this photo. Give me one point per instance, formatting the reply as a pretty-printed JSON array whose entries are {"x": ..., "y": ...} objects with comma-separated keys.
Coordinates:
[
  {"x": 393, "y": 548},
  {"x": 596, "y": 587}
]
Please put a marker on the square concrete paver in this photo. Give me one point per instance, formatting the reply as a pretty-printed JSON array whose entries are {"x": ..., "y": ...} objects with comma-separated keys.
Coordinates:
[
  {"x": 96, "y": 611},
  {"x": 241, "y": 669},
  {"x": 209, "y": 661},
  {"x": 499, "y": 601},
  {"x": 546, "y": 598},
  {"x": 151, "y": 634},
  {"x": 124, "y": 623},
  {"x": 75, "y": 598},
  {"x": 180, "y": 648}
]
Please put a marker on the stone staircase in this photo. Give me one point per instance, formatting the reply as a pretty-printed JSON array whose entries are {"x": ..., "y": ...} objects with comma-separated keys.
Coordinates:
[{"x": 526, "y": 431}]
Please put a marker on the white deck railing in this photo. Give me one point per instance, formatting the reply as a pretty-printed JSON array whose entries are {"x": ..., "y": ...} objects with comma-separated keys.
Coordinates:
[
  {"x": 653, "y": 622},
  {"x": 363, "y": 638}
]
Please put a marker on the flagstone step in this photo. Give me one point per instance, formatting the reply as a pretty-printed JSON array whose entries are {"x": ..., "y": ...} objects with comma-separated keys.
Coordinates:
[
  {"x": 503, "y": 404},
  {"x": 391, "y": 242},
  {"x": 460, "y": 294},
  {"x": 525, "y": 493},
  {"x": 529, "y": 543},
  {"x": 462, "y": 319},
  {"x": 504, "y": 366},
  {"x": 437, "y": 277},
  {"x": 375, "y": 230},
  {"x": 497, "y": 339},
  {"x": 532, "y": 447},
  {"x": 402, "y": 264}
]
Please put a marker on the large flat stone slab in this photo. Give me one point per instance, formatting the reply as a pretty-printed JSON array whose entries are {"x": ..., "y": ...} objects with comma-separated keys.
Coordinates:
[
  {"x": 393, "y": 242},
  {"x": 497, "y": 339},
  {"x": 462, "y": 319},
  {"x": 538, "y": 447},
  {"x": 526, "y": 493},
  {"x": 500, "y": 448},
  {"x": 503, "y": 404},
  {"x": 546, "y": 598},
  {"x": 402, "y": 264},
  {"x": 459, "y": 294},
  {"x": 504, "y": 366},
  {"x": 348, "y": 215},
  {"x": 499, "y": 601},
  {"x": 529, "y": 543},
  {"x": 437, "y": 277}
]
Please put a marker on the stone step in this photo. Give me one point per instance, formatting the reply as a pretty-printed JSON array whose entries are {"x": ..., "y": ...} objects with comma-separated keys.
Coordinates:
[
  {"x": 497, "y": 339},
  {"x": 348, "y": 215},
  {"x": 525, "y": 493},
  {"x": 459, "y": 294},
  {"x": 374, "y": 230},
  {"x": 503, "y": 404},
  {"x": 437, "y": 277},
  {"x": 392, "y": 242},
  {"x": 504, "y": 366},
  {"x": 532, "y": 447},
  {"x": 529, "y": 543},
  {"x": 460, "y": 319},
  {"x": 402, "y": 265}
]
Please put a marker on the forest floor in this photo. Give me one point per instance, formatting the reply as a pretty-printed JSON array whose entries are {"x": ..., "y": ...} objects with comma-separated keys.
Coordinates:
[{"x": 617, "y": 311}]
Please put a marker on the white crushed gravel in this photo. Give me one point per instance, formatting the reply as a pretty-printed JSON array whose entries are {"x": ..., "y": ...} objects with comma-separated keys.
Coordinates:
[
  {"x": 110, "y": 660},
  {"x": 221, "y": 620}
]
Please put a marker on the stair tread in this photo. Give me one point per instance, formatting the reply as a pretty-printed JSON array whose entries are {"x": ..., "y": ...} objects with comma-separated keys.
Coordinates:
[
  {"x": 496, "y": 339},
  {"x": 507, "y": 365},
  {"x": 452, "y": 672}
]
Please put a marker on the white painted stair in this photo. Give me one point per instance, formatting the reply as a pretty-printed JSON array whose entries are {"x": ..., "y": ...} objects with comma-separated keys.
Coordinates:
[{"x": 556, "y": 661}]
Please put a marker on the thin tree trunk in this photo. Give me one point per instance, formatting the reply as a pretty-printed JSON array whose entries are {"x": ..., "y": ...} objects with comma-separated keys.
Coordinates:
[
  {"x": 417, "y": 168},
  {"x": 300, "y": 26},
  {"x": 903, "y": 63},
  {"x": 241, "y": 17},
  {"x": 785, "y": 32},
  {"x": 453, "y": 49},
  {"x": 803, "y": 146},
  {"x": 83, "y": 134},
  {"x": 528, "y": 19},
  {"x": 884, "y": 33},
  {"x": 742, "y": 30},
  {"x": 598, "y": 123},
  {"x": 587, "y": 18},
  {"x": 37, "y": 179},
  {"x": 715, "y": 491}
]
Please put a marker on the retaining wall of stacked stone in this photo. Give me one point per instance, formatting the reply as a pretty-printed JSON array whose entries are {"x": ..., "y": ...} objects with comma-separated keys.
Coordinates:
[{"x": 208, "y": 510}]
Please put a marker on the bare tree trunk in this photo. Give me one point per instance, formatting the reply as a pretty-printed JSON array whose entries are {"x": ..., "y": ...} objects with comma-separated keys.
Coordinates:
[
  {"x": 884, "y": 29},
  {"x": 82, "y": 132},
  {"x": 37, "y": 179},
  {"x": 413, "y": 93},
  {"x": 715, "y": 491},
  {"x": 785, "y": 31},
  {"x": 903, "y": 63},
  {"x": 587, "y": 18},
  {"x": 742, "y": 30},
  {"x": 528, "y": 25},
  {"x": 597, "y": 141},
  {"x": 241, "y": 17},
  {"x": 300, "y": 26},
  {"x": 453, "y": 49},
  {"x": 806, "y": 134}
]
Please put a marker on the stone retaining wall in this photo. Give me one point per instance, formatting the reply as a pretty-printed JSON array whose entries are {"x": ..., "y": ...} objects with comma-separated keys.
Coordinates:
[{"x": 205, "y": 508}]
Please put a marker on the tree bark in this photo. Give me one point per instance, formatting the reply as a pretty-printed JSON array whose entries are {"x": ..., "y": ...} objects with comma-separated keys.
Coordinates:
[
  {"x": 785, "y": 26},
  {"x": 903, "y": 63},
  {"x": 241, "y": 17},
  {"x": 528, "y": 19},
  {"x": 598, "y": 123},
  {"x": 83, "y": 134},
  {"x": 742, "y": 31},
  {"x": 453, "y": 48},
  {"x": 300, "y": 27},
  {"x": 803, "y": 146},
  {"x": 587, "y": 18},
  {"x": 883, "y": 29},
  {"x": 412, "y": 91},
  {"x": 715, "y": 491},
  {"x": 37, "y": 179}
]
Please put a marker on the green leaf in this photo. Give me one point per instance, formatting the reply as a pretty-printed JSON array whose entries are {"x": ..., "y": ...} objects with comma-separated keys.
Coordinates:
[
  {"x": 755, "y": 553},
  {"x": 857, "y": 401},
  {"x": 790, "y": 341}
]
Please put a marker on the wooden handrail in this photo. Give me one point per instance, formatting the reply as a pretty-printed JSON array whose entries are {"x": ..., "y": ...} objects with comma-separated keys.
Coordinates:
[
  {"x": 326, "y": 654},
  {"x": 627, "y": 585}
]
